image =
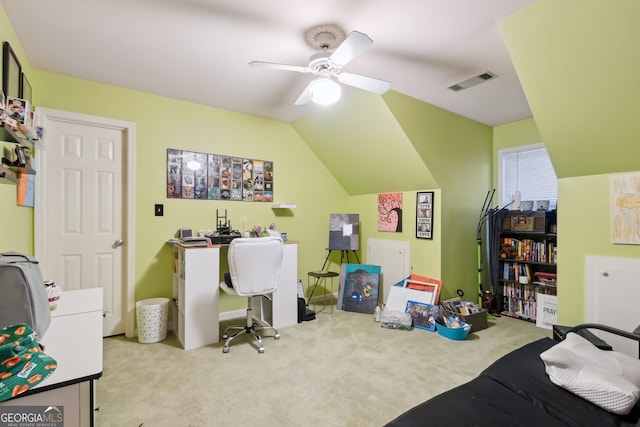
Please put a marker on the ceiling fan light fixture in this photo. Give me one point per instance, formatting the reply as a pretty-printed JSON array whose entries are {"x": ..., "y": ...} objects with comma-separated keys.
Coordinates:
[{"x": 324, "y": 91}]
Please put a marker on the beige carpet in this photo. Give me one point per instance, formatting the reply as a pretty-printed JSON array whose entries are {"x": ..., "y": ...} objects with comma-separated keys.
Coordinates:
[{"x": 341, "y": 369}]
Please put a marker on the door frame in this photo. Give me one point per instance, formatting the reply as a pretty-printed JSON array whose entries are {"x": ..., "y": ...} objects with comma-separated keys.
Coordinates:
[{"x": 128, "y": 130}]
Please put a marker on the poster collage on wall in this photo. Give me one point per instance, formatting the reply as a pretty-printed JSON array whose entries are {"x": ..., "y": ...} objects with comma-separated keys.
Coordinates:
[{"x": 192, "y": 175}]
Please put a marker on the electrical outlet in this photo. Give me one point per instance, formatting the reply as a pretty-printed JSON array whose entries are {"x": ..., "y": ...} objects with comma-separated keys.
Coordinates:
[{"x": 159, "y": 209}]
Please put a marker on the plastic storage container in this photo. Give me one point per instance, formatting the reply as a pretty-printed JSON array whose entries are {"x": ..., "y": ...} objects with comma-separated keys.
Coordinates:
[
  {"x": 152, "y": 317},
  {"x": 456, "y": 334}
]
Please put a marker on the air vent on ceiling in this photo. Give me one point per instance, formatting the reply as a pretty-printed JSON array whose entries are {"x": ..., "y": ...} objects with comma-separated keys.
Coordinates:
[{"x": 473, "y": 81}]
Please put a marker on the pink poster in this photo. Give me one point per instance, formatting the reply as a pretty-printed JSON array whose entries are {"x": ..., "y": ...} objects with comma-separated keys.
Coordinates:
[{"x": 390, "y": 212}]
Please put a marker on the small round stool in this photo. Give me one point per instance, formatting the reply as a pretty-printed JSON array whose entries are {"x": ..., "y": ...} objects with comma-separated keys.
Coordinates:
[{"x": 320, "y": 277}]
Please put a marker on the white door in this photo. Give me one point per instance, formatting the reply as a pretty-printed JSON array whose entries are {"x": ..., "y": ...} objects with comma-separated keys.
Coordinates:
[{"x": 83, "y": 240}]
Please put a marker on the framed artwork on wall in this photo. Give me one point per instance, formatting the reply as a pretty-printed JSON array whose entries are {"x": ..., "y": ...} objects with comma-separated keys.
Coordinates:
[
  {"x": 625, "y": 215},
  {"x": 204, "y": 176},
  {"x": 390, "y": 212},
  {"x": 424, "y": 215},
  {"x": 11, "y": 72},
  {"x": 26, "y": 91}
]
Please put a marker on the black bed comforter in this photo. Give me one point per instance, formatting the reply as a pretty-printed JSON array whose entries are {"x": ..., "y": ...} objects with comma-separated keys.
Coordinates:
[{"x": 514, "y": 391}]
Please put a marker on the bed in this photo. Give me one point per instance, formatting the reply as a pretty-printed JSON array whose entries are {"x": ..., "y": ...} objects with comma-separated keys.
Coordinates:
[{"x": 516, "y": 391}]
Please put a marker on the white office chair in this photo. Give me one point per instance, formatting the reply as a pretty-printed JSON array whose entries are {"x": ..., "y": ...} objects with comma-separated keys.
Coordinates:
[{"x": 254, "y": 267}]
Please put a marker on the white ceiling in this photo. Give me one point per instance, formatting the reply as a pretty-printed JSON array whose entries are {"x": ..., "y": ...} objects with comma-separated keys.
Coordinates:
[{"x": 199, "y": 50}]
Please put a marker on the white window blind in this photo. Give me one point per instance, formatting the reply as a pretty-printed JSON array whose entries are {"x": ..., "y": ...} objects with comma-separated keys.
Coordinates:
[{"x": 529, "y": 171}]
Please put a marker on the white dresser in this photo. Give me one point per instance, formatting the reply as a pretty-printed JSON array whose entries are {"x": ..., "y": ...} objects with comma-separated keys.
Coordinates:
[{"x": 74, "y": 340}]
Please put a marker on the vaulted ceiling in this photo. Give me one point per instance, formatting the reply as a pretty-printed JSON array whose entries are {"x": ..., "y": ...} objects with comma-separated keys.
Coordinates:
[{"x": 199, "y": 50}]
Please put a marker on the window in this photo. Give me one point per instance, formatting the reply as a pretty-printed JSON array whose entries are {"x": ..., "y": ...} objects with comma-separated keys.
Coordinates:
[{"x": 527, "y": 169}]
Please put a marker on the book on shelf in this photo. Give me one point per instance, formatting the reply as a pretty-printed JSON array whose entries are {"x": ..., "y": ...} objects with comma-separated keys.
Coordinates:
[
  {"x": 541, "y": 251},
  {"x": 545, "y": 278}
]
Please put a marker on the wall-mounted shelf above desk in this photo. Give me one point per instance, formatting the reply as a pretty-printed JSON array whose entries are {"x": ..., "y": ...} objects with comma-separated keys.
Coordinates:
[
  {"x": 8, "y": 134},
  {"x": 8, "y": 171},
  {"x": 24, "y": 169},
  {"x": 283, "y": 206}
]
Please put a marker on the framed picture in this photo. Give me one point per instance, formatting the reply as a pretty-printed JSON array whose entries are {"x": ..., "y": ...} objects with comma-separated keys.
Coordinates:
[
  {"x": 11, "y": 72},
  {"x": 431, "y": 290},
  {"x": 204, "y": 176},
  {"x": 390, "y": 212},
  {"x": 344, "y": 230},
  {"x": 399, "y": 296},
  {"x": 423, "y": 316},
  {"x": 26, "y": 91},
  {"x": 424, "y": 215}
]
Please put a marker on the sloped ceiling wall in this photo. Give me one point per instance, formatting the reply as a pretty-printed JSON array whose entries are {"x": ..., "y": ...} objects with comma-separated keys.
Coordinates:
[
  {"x": 364, "y": 147},
  {"x": 579, "y": 62}
]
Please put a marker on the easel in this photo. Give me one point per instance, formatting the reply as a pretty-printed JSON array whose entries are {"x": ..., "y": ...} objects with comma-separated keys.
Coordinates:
[
  {"x": 485, "y": 214},
  {"x": 344, "y": 254}
]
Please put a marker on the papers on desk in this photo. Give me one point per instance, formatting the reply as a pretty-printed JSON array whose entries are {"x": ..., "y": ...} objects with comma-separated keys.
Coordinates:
[{"x": 195, "y": 241}]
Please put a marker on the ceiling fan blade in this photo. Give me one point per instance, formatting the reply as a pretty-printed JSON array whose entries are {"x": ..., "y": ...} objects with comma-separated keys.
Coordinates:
[
  {"x": 367, "y": 83},
  {"x": 355, "y": 43},
  {"x": 274, "y": 66},
  {"x": 305, "y": 96}
]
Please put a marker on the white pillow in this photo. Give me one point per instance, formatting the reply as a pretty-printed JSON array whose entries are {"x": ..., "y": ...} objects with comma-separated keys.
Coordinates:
[{"x": 608, "y": 379}]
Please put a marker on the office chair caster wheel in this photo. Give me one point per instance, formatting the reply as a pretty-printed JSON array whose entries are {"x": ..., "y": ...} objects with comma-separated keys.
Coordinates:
[
  {"x": 225, "y": 349},
  {"x": 276, "y": 337},
  {"x": 261, "y": 350},
  {"x": 225, "y": 336}
]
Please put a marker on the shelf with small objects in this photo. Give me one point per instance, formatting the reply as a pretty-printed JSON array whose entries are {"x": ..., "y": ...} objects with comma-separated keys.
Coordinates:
[
  {"x": 17, "y": 140},
  {"x": 527, "y": 261},
  {"x": 15, "y": 157}
]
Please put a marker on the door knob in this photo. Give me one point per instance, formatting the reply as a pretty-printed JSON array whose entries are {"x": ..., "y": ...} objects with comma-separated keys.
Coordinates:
[{"x": 118, "y": 242}]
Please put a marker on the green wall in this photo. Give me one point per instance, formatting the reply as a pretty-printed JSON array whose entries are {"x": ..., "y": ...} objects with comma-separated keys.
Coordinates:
[
  {"x": 584, "y": 228},
  {"x": 574, "y": 59},
  {"x": 457, "y": 148},
  {"x": 584, "y": 224},
  {"x": 163, "y": 123},
  {"x": 396, "y": 143},
  {"x": 425, "y": 254},
  {"x": 18, "y": 236},
  {"x": 458, "y": 153}
]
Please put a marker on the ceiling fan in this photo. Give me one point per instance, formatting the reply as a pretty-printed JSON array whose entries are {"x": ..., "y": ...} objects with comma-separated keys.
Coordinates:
[{"x": 336, "y": 52}]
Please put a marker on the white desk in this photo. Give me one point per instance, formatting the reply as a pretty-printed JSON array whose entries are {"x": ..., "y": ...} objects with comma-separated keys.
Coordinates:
[
  {"x": 196, "y": 281},
  {"x": 74, "y": 340}
]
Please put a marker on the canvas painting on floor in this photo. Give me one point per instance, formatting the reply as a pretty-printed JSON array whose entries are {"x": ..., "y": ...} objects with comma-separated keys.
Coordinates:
[
  {"x": 359, "y": 288},
  {"x": 423, "y": 316}
]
